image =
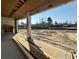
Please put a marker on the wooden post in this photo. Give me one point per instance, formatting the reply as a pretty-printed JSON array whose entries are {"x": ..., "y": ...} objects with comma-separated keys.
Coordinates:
[
  {"x": 15, "y": 26},
  {"x": 28, "y": 26}
]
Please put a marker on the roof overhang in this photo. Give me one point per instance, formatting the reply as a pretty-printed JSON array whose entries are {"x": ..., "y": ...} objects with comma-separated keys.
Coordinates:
[{"x": 19, "y": 8}]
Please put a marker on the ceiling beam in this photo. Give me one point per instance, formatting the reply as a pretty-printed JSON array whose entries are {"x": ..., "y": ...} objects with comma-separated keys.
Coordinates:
[{"x": 18, "y": 5}]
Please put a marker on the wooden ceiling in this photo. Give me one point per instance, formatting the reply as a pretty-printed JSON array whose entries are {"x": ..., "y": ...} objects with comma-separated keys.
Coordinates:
[{"x": 32, "y": 6}]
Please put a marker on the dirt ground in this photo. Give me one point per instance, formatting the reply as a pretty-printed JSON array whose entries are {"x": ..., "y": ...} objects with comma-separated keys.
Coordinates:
[{"x": 56, "y": 43}]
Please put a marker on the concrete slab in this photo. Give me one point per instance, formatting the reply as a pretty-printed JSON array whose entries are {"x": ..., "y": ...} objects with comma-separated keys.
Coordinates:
[{"x": 9, "y": 49}]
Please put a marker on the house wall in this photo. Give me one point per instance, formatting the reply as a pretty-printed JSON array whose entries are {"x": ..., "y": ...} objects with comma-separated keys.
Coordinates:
[{"x": 8, "y": 21}]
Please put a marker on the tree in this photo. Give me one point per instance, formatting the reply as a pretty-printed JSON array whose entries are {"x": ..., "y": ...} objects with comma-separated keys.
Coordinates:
[
  {"x": 76, "y": 24},
  {"x": 66, "y": 22},
  {"x": 22, "y": 23},
  {"x": 49, "y": 21},
  {"x": 56, "y": 23}
]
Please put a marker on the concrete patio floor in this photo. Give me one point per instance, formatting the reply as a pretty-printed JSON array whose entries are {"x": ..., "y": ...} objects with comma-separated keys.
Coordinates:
[{"x": 9, "y": 49}]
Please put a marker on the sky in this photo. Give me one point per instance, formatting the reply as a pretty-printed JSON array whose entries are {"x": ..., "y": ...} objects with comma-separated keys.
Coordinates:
[{"x": 67, "y": 12}]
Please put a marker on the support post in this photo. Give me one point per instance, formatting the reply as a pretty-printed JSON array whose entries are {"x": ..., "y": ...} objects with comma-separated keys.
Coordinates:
[
  {"x": 15, "y": 26},
  {"x": 28, "y": 26}
]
